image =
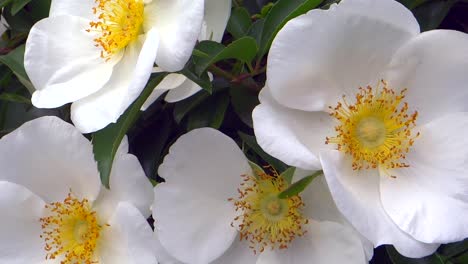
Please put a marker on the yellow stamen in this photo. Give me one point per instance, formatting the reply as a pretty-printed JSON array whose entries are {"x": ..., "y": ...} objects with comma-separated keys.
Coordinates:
[
  {"x": 119, "y": 23},
  {"x": 266, "y": 220},
  {"x": 376, "y": 130},
  {"x": 71, "y": 231}
]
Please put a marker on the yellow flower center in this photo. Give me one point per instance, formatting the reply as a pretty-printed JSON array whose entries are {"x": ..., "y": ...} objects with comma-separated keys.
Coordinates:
[
  {"x": 376, "y": 130},
  {"x": 266, "y": 220},
  {"x": 71, "y": 231},
  {"x": 119, "y": 22}
]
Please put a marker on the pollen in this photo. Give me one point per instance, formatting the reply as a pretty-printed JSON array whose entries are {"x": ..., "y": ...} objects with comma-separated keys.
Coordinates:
[
  {"x": 377, "y": 130},
  {"x": 71, "y": 231},
  {"x": 119, "y": 22},
  {"x": 265, "y": 220}
]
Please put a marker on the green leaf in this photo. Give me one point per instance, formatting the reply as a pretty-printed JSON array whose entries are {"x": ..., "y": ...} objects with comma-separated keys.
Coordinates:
[
  {"x": 252, "y": 143},
  {"x": 299, "y": 186},
  {"x": 256, "y": 168},
  {"x": 15, "y": 61},
  {"x": 288, "y": 174},
  {"x": 18, "y": 5},
  {"x": 3, "y": 3},
  {"x": 411, "y": 4},
  {"x": 256, "y": 31},
  {"x": 152, "y": 137},
  {"x": 239, "y": 22},
  {"x": 454, "y": 249},
  {"x": 203, "y": 81},
  {"x": 107, "y": 141},
  {"x": 396, "y": 258},
  {"x": 243, "y": 101},
  {"x": 15, "y": 98},
  {"x": 280, "y": 13},
  {"x": 266, "y": 9},
  {"x": 243, "y": 49},
  {"x": 210, "y": 113},
  {"x": 39, "y": 9},
  {"x": 183, "y": 107},
  {"x": 431, "y": 14}
]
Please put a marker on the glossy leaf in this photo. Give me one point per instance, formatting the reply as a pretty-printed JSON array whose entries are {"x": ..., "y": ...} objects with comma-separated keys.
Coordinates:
[
  {"x": 243, "y": 49},
  {"x": 18, "y": 5},
  {"x": 239, "y": 22},
  {"x": 252, "y": 143},
  {"x": 243, "y": 101},
  {"x": 288, "y": 174},
  {"x": 107, "y": 141},
  {"x": 299, "y": 186},
  {"x": 210, "y": 113}
]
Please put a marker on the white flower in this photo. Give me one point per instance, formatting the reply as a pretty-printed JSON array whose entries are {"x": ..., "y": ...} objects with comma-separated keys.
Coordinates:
[
  {"x": 196, "y": 220},
  {"x": 100, "y": 54},
  {"x": 216, "y": 16},
  {"x": 400, "y": 174},
  {"x": 54, "y": 206}
]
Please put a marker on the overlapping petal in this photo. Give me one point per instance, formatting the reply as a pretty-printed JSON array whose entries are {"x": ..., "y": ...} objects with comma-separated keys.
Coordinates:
[
  {"x": 213, "y": 161},
  {"x": 351, "y": 48},
  {"x": 357, "y": 196},
  {"x": 216, "y": 17},
  {"x": 433, "y": 191},
  {"x": 62, "y": 62},
  {"x": 128, "y": 80},
  {"x": 127, "y": 182},
  {"x": 431, "y": 68},
  {"x": 192, "y": 226},
  {"x": 202, "y": 170},
  {"x": 50, "y": 157},
  {"x": 286, "y": 133},
  {"x": 324, "y": 242},
  {"x": 20, "y": 240},
  {"x": 128, "y": 238},
  {"x": 178, "y": 23}
]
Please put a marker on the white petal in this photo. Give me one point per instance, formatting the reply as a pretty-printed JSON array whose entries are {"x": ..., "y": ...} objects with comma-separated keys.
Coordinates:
[
  {"x": 184, "y": 91},
  {"x": 206, "y": 161},
  {"x": 178, "y": 23},
  {"x": 49, "y": 157},
  {"x": 20, "y": 226},
  {"x": 357, "y": 196},
  {"x": 431, "y": 67},
  {"x": 217, "y": 14},
  {"x": 62, "y": 61},
  {"x": 310, "y": 67},
  {"x": 128, "y": 80},
  {"x": 239, "y": 252},
  {"x": 171, "y": 81},
  {"x": 155, "y": 94},
  {"x": 293, "y": 136},
  {"x": 319, "y": 205},
  {"x": 192, "y": 226},
  {"x": 82, "y": 9},
  {"x": 128, "y": 239},
  {"x": 325, "y": 242},
  {"x": 128, "y": 182},
  {"x": 433, "y": 191},
  {"x": 163, "y": 256}
]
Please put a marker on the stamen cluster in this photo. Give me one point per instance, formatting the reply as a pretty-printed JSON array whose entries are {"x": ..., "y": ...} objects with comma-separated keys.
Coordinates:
[
  {"x": 119, "y": 23},
  {"x": 265, "y": 219},
  {"x": 376, "y": 130},
  {"x": 71, "y": 231}
]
